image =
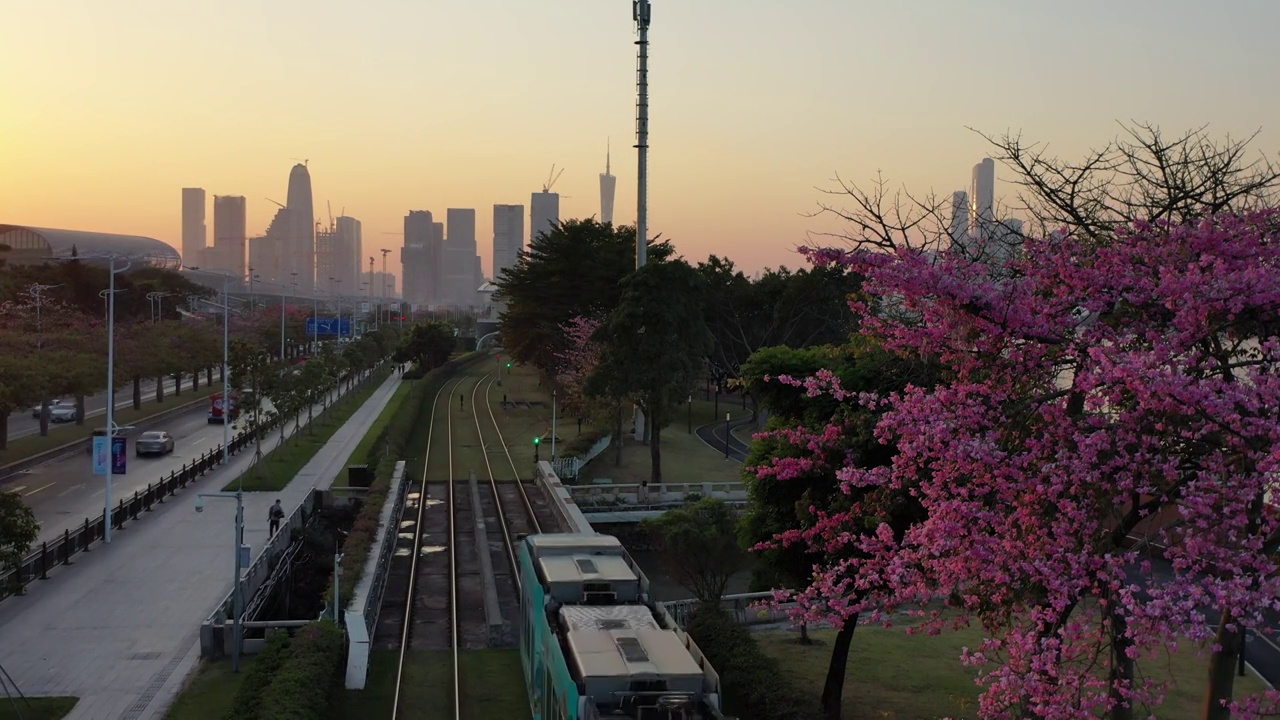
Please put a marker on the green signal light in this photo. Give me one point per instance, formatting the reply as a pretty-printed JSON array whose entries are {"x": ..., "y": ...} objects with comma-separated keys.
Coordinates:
[
  {"x": 508, "y": 366},
  {"x": 537, "y": 441}
]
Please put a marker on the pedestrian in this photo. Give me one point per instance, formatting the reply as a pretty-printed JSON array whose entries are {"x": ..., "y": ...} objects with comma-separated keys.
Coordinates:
[{"x": 276, "y": 514}]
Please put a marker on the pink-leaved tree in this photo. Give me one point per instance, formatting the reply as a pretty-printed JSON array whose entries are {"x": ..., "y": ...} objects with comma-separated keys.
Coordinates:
[{"x": 1094, "y": 469}]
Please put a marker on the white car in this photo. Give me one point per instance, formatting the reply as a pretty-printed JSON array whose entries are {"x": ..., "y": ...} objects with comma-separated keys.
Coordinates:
[
  {"x": 62, "y": 413},
  {"x": 53, "y": 406}
]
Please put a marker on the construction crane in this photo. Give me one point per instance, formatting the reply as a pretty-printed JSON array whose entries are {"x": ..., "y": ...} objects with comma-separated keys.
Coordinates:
[
  {"x": 304, "y": 162},
  {"x": 273, "y": 201},
  {"x": 332, "y": 227},
  {"x": 552, "y": 178}
]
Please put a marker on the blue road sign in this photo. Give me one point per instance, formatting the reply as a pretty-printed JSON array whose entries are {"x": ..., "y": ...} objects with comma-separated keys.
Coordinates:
[
  {"x": 119, "y": 445},
  {"x": 328, "y": 326},
  {"x": 101, "y": 455}
]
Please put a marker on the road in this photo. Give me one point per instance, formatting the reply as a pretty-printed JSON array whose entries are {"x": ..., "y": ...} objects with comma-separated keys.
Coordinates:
[
  {"x": 64, "y": 492},
  {"x": 21, "y": 424},
  {"x": 713, "y": 434}
]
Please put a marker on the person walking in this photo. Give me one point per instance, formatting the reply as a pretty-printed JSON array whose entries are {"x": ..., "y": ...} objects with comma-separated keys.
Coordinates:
[{"x": 276, "y": 515}]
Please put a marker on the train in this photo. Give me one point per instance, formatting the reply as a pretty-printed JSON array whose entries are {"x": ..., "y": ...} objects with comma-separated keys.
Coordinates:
[{"x": 594, "y": 645}]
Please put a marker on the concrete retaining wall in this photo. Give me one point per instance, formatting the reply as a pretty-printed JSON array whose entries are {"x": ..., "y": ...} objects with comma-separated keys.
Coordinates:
[{"x": 361, "y": 613}]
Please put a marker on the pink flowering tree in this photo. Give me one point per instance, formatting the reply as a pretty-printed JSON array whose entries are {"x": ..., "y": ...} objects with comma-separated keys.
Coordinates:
[
  {"x": 576, "y": 361},
  {"x": 1109, "y": 408}
]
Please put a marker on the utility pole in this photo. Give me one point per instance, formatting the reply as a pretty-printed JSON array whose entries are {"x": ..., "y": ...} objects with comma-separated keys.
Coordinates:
[{"x": 385, "y": 253}]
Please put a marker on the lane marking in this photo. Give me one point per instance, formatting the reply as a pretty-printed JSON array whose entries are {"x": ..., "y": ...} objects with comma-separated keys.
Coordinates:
[
  {"x": 42, "y": 487},
  {"x": 71, "y": 489},
  {"x": 17, "y": 489}
]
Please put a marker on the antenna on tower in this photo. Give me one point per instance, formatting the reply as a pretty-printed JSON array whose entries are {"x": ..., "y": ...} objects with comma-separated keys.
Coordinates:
[{"x": 607, "y": 150}]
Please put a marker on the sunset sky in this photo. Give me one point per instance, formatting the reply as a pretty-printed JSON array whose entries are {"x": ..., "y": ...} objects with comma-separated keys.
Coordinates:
[{"x": 107, "y": 109}]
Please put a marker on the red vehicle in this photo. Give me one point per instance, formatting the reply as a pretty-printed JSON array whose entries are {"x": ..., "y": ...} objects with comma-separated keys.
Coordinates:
[{"x": 216, "y": 412}]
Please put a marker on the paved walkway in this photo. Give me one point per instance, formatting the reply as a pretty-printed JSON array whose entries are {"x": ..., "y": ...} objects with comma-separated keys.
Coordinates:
[{"x": 120, "y": 629}]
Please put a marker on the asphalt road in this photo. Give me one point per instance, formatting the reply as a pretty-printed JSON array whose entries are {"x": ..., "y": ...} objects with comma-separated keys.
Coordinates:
[
  {"x": 64, "y": 492},
  {"x": 21, "y": 424},
  {"x": 713, "y": 434}
]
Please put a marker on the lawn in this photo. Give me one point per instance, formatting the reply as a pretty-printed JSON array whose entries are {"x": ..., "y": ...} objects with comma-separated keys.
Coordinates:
[
  {"x": 491, "y": 680},
  {"x": 36, "y": 708},
  {"x": 25, "y": 447},
  {"x": 366, "y": 443},
  {"x": 685, "y": 458},
  {"x": 209, "y": 692},
  {"x": 895, "y": 676},
  {"x": 282, "y": 463}
]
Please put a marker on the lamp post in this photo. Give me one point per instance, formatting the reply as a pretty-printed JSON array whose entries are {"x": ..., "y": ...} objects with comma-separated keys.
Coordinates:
[
  {"x": 293, "y": 283},
  {"x": 553, "y": 426},
  {"x": 726, "y": 435},
  {"x": 237, "y": 602},
  {"x": 226, "y": 369},
  {"x": 691, "y": 414},
  {"x": 315, "y": 322},
  {"x": 36, "y": 290},
  {"x": 111, "y": 387}
]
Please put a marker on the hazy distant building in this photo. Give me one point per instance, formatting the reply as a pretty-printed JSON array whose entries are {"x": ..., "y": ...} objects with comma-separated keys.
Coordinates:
[
  {"x": 384, "y": 285},
  {"x": 229, "y": 234},
  {"x": 959, "y": 229},
  {"x": 302, "y": 239},
  {"x": 420, "y": 258},
  {"x": 23, "y": 245},
  {"x": 608, "y": 184},
  {"x": 508, "y": 236},
  {"x": 351, "y": 267},
  {"x": 460, "y": 256},
  {"x": 544, "y": 213},
  {"x": 982, "y": 199},
  {"x": 193, "y": 227},
  {"x": 269, "y": 255}
]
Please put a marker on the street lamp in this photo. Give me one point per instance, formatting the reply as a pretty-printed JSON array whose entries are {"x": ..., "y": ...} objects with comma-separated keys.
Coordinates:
[
  {"x": 111, "y": 387},
  {"x": 726, "y": 435},
  {"x": 293, "y": 283},
  {"x": 553, "y": 426},
  {"x": 157, "y": 308},
  {"x": 226, "y": 368},
  {"x": 36, "y": 290},
  {"x": 237, "y": 602}
]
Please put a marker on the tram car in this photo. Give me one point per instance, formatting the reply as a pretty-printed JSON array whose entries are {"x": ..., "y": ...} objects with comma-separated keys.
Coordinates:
[{"x": 593, "y": 643}]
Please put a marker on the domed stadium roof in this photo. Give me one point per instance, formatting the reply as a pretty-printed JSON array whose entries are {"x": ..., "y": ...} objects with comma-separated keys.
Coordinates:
[{"x": 21, "y": 242}]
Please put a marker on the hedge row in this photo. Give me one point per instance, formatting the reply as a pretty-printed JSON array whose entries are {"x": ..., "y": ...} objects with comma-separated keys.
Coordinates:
[
  {"x": 248, "y": 703},
  {"x": 753, "y": 685},
  {"x": 413, "y": 414},
  {"x": 306, "y": 685}
]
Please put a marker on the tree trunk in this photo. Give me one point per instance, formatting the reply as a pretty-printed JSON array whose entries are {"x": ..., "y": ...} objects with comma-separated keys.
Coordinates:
[
  {"x": 1222, "y": 669},
  {"x": 4, "y": 428},
  {"x": 137, "y": 392},
  {"x": 1121, "y": 676},
  {"x": 195, "y": 381},
  {"x": 617, "y": 438},
  {"x": 44, "y": 417},
  {"x": 655, "y": 451},
  {"x": 111, "y": 398},
  {"x": 177, "y": 384},
  {"x": 804, "y": 634},
  {"x": 160, "y": 389},
  {"x": 833, "y": 688},
  {"x": 208, "y": 375}
]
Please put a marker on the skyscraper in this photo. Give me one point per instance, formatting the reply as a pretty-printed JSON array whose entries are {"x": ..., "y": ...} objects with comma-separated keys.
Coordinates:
[
  {"x": 193, "y": 228},
  {"x": 460, "y": 256},
  {"x": 508, "y": 236},
  {"x": 351, "y": 266},
  {"x": 229, "y": 234},
  {"x": 420, "y": 258},
  {"x": 544, "y": 213},
  {"x": 608, "y": 183},
  {"x": 982, "y": 195},
  {"x": 302, "y": 238},
  {"x": 269, "y": 254}
]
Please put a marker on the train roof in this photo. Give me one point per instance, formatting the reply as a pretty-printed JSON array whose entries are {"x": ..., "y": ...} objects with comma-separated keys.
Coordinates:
[
  {"x": 582, "y": 618},
  {"x": 586, "y": 568},
  {"x": 642, "y": 653},
  {"x": 583, "y": 542}
]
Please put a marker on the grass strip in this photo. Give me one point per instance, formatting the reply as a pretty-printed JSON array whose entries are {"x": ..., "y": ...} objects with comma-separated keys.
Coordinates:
[
  {"x": 283, "y": 462},
  {"x": 40, "y": 708}
]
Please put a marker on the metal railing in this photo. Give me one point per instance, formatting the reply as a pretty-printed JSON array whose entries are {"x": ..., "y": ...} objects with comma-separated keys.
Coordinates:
[
  {"x": 50, "y": 554},
  {"x": 746, "y": 608}
]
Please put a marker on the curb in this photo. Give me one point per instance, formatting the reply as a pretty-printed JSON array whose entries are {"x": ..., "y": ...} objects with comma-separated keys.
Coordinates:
[{"x": 56, "y": 453}]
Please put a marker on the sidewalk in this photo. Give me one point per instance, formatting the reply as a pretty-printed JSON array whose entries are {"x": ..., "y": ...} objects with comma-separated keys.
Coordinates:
[{"x": 121, "y": 630}]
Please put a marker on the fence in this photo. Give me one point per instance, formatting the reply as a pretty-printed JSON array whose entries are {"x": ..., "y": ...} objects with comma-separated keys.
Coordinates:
[
  {"x": 745, "y": 608},
  {"x": 37, "y": 564},
  {"x": 50, "y": 554},
  {"x": 568, "y": 468}
]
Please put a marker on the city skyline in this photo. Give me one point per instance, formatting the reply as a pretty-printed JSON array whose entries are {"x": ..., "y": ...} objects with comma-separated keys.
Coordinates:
[{"x": 739, "y": 147}]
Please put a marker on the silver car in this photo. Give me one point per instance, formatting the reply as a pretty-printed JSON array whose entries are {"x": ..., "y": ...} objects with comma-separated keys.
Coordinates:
[{"x": 154, "y": 442}]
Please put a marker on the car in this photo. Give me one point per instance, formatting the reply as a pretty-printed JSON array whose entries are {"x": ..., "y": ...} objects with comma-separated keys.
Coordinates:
[
  {"x": 62, "y": 413},
  {"x": 53, "y": 405},
  {"x": 153, "y": 442}
]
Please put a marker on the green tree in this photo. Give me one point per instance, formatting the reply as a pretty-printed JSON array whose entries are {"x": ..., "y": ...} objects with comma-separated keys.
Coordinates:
[
  {"x": 18, "y": 529},
  {"x": 428, "y": 345},
  {"x": 655, "y": 346},
  {"x": 698, "y": 545},
  {"x": 572, "y": 271}
]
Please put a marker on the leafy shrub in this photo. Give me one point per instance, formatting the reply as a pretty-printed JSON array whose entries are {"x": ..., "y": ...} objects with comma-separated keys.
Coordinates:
[
  {"x": 306, "y": 684},
  {"x": 581, "y": 444},
  {"x": 415, "y": 373},
  {"x": 753, "y": 683},
  {"x": 248, "y": 700}
]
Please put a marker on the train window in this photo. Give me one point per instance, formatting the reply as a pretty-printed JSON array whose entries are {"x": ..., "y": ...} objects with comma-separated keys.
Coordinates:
[{"x": 648, "y": 686}]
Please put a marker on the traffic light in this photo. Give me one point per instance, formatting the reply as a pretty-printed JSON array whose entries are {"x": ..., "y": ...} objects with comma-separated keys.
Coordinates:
[
  {"x": 537, "y": 441},
  {"x": 508, "y": 366}
]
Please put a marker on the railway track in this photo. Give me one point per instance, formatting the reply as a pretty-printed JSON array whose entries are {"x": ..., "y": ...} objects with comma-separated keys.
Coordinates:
[{"x": 440, "y": 591}]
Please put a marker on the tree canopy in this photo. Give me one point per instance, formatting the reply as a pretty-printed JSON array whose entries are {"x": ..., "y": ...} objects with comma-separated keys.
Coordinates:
[{"x": 699, "y": 549}]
